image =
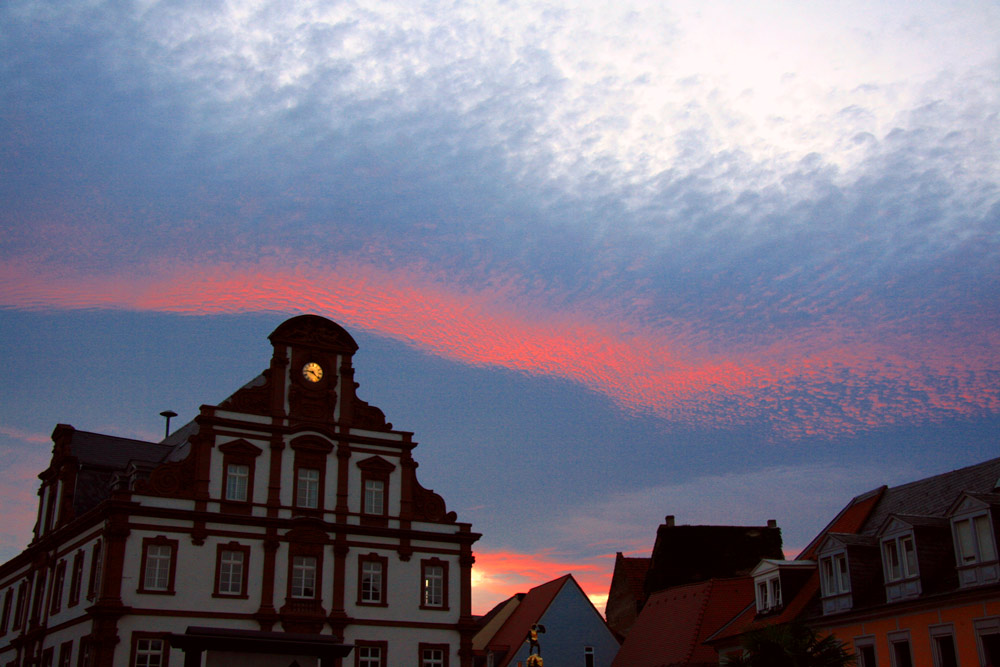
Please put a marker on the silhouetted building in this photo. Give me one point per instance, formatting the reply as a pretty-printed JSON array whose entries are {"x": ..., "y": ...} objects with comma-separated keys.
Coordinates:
[{"x": 284, "y": 525}]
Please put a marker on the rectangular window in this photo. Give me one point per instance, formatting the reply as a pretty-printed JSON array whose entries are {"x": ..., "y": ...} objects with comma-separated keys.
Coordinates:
[
  {"x": 237, "y": 475},
  {"x": 76, "y": 580},
  {"x": 66, "y": 654},
  {"x": 22, "y": 592},
  {"x": 944, "y": 650},
  {"x": 374, "y": 497},
  {"x": 899, "y": 649},
  {"x": 159, "y": 561},
  {"x": 307, "y": 488},
  {"x": 96, "y": 566},
  {"x": 433, "y": 656},
  {"x": 371, "y": 581},
  {"x": 900, "y": 558},
  {"x": 149, "y": 652},
  {"x": 39, "y": 596},
  {"x": 231, "y": 572},
  {"x": 434, "y": 586},
  {"x": 83, "y": 659},
  {"x": 47, "y": 655},
  {"x": 303, "y": 577},
  {"x": 5, "y": 619},
  {"x": 988, "y": 636},
  {"x": 588, "y": 656},
  {"x": 57, "y": 588},
  {"x": 768, "y": 594},
  {"x": 975, "y": 540},
  {"x": 836, "y": 578},
  {"x": 369, "y": 656},
  {"x": 158, "y": 557},
  {"x": 866, "y": 656}
]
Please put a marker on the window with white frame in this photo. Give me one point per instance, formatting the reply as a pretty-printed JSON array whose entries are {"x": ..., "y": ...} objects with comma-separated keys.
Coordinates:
[
  {"x": 864, "y": 649},
  {"x": 307, "y": 488},
  {"x": 899, "y": 558},
  {"x": 988, "y": 640},
  {"x": 237, "y": 476},
  {"x": 231, "y": 564},
  {"x": 374, "y": 497},
  {"x": 303, "y": 577},
  {"x": 943, "y": 646},
  {"x": 434, "y": 584},
  {"x": 372, "y": 578},
  {"x": 149, "y": 652},
  {"x": 368, "y": 656},
  {"x": 433, "y": 657},
  {"x": 836, "y": 578},
  {"x": 158, "y": 565},
  {"x": 974, "y": 540},
  {"x": 899, "y": 649},
  {"x": 768, "y": 594}
]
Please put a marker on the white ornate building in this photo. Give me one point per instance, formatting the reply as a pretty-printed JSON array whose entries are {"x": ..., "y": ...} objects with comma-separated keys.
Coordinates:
[{"x": 284, "y": 525}]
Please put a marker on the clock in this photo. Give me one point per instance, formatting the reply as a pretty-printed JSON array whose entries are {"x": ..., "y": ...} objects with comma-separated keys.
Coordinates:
[{"x": 312, "y": 372}]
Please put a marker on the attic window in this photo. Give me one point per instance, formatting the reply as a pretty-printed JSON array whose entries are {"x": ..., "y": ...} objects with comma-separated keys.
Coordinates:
[
  {"x": 899, "y": 558},
  {"x": 974, "y": 540},
  {"x": 768, "y": 594},
  {"x": 836, "y": 579}
]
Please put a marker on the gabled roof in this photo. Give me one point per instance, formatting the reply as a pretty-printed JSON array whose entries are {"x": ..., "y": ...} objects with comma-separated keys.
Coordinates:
[
  {"x": 633, "y": 569},
  {"x": 675, "y": 622},
  {"x": 865, "y": 515},
  {"x": 933, "y": 496},
  {"x": 530, "y": 611}
]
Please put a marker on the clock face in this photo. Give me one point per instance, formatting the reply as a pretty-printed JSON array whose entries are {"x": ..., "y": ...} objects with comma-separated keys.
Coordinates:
[{"x": 312, "y": 372}]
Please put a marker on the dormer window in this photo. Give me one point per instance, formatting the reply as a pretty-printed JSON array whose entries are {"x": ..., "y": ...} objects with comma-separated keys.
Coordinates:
[
  {"x": 836, "y": 578},
  {"x": 975, "y": 540},
  {"x": 900, "y": 558},
  {"x": 900, "y": 562},
  {"x": 768, "y": 594}
]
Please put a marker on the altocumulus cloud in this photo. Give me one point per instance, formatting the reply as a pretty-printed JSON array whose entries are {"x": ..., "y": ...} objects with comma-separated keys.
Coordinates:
[{"x": 798, "y": 229}]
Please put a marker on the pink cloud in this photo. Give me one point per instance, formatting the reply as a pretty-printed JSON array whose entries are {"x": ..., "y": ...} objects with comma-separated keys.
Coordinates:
[{"x": 822, "y": 380}]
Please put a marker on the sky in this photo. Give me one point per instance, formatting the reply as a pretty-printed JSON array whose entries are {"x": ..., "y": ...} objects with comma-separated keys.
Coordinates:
[{"x": 727, "y": 261}]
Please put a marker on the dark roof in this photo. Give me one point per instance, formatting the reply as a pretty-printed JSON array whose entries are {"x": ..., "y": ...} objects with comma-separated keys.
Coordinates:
[
  {"x": 634, "y": 570},
  {"x": 674, "y": 623},
  {"x": 933, "y": 496},
  {"x": 864, "y": 516},
  {"x": 685, "y": 554},
  {"x": 100, "y": 457},
  {"x": 110, "y": 451}
]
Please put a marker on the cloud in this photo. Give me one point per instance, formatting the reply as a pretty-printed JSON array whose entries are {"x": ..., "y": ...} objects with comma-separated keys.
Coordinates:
[
  {"x": 816, "y": 380},
  {"x": 498, "y": 575},
  {"x": 801, "y": 498}
]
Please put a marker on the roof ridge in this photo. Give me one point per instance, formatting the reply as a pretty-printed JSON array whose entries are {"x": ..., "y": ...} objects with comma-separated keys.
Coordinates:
[{"x": 706, "y": 596}]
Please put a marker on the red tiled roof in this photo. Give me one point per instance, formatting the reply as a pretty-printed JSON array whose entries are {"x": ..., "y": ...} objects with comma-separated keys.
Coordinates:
[
  {"x": 635, "y": 569},
  {"x": 536, "y": 601},
  {"x": 674, "y": 623},
  {"x": 849, "y": 521}
]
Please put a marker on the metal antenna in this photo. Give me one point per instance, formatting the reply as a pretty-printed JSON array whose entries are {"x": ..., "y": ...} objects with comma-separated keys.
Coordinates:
[{"x": 168, "y": 414}]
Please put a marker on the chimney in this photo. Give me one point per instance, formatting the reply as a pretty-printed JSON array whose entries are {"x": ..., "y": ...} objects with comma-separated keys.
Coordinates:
[
  {"x": 772, "y": 523},
  {"x": 669, "y": 521}
]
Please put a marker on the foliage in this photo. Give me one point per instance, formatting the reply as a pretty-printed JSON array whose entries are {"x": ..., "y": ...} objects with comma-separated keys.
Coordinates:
[{"x": 790, "y": 645}]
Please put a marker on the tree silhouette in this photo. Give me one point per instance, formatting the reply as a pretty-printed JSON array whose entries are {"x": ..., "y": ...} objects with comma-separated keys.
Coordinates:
[{"x": 790, "y": 645}]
